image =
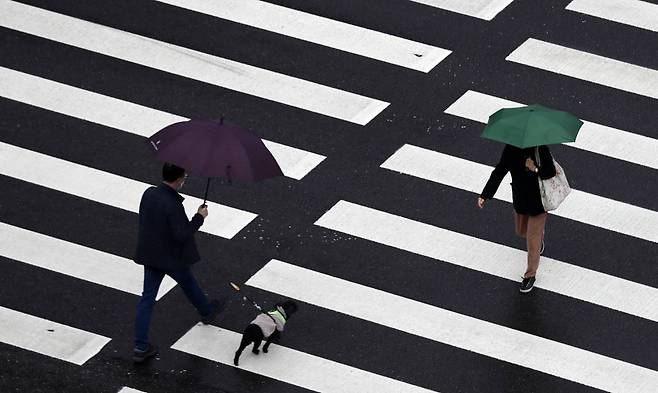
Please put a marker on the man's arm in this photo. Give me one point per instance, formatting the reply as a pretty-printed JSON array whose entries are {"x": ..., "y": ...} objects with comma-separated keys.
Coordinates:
[{"x": 181, "y": 228}]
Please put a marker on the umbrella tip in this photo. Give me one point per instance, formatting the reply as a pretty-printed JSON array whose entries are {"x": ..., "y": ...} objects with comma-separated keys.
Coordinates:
[{"x": 235, "y": 286}]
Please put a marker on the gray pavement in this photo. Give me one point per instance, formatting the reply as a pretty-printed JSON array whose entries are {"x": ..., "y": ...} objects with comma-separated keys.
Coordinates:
[{"x": 288, "y": 209}]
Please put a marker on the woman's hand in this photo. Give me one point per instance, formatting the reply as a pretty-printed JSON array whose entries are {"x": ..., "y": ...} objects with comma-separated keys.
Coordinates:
[
  {"x": 530, "y": 164},
  {"x": 481, "y": 202}
]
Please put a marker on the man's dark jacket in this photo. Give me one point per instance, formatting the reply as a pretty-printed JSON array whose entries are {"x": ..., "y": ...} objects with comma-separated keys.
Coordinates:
[
  {"x": 166, "y": 237},
  {"x": 525, "y": 184}
]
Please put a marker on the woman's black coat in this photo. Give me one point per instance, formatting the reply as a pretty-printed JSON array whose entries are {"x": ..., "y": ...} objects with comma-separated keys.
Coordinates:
[
  {"x": 166, "y": 237},
  {"x": 525, "y": 184}
]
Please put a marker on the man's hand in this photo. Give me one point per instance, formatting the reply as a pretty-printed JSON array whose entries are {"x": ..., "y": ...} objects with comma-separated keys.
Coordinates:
[
  {"x": 481, "y": 202},
  {"x": 203, "y": 210}
]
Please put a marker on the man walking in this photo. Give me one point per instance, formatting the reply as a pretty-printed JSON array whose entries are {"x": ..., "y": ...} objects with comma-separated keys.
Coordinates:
[{"x": 165, "y": 245}]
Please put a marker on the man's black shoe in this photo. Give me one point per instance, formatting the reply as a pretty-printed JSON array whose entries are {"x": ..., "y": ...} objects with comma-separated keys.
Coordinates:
[
  {"x": 214, "y": 307},
  {"x": 140, "y": 356},
  {"x": 527, "y": 284}
]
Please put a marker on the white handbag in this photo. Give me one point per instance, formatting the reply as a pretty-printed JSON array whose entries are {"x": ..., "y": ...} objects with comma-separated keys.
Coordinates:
[{"x": 554, "y": 190}]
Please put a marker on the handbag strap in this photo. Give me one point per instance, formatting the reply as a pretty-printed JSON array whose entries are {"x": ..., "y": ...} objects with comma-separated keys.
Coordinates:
[{"x": 537, "y": 156}]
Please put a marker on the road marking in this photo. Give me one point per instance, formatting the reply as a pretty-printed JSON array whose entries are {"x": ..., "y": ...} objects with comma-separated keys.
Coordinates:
[
  {"x": 190, "y": 63},
  {"x": 491, "y": 258},
  {"x": 586, "y": 66},
  {"x": 288, "y": 365},
  {"x": 597, "y": 138},
  {"x": 107, "y": 188},
  {"x": 123, "y": 115},
  {"x": 322, "y": 31},
  {"x": 48, "y": 338},
  {"x": 629, "y": 12},
  {"x": 461, "y": 331},
  {"x": 130, "y": 390},
  {"x": 471, "y": 176},
  {"x": 75, "y": 260},
  {"x": 483, "y": 9}
]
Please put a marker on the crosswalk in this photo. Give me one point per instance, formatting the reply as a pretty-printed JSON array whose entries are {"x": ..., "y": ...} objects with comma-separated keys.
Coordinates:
[
  {"x": 454, "y": 329},
  {"x": 322, "y": 31},
  {"x": 587, "y": 66},
  {"x": 123, "y": 115},
  {"x": 126, "y": 389},
  {"x": 483, "y": 9},
  {"x": 469, "y": 176},
  {"x": 190, "y": 63},
  {"x": 352, "y": 230},
  {"x": 630, "y": 12},
  {"x": 49, "y": 338},
  {"x": 597, "y": 138},
  {"x": 294, "y": 367},
  {"x": 487, "y": 257},
  {"x": 106, "y": 188},
  {"x": 74, "y": 260}
]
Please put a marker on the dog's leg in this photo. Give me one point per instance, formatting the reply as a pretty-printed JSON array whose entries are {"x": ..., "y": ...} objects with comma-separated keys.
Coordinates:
[
  {"x": 256, "y": 345},
  {"x": 247, "y": 339},
  {"x": 274, "y": 337}
]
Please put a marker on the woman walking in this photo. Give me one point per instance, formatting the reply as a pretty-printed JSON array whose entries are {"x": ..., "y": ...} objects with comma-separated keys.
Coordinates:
[{"x": 529, "y": 213}]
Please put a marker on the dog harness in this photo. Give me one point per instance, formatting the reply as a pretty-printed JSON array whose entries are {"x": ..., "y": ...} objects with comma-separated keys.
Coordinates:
[{"x": 273, "y": 320}]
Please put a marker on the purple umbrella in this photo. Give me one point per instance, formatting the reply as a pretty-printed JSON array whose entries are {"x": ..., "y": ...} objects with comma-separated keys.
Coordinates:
[{"x": 212, "y": 148}]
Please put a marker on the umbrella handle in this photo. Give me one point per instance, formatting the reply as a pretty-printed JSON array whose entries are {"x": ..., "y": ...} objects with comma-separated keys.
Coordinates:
[{"x": 205, "y": 197}]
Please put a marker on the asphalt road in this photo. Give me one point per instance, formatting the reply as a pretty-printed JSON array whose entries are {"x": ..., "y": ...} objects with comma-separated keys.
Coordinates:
[{"x": 287, "y": 208}]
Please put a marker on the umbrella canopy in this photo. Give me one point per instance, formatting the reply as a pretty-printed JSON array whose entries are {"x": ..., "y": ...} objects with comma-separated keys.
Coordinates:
[
  {"x": 212, "y": 148},
  {"x": 532, "y": 125}
]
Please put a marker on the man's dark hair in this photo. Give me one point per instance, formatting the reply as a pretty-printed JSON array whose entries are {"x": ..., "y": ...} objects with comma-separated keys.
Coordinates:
[{"x": 171, "y": 172}]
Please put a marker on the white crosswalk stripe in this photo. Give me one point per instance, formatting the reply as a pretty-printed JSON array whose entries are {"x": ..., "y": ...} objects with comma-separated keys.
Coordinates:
[
  {"x": 190, "y": 63},
  {"x": 562, "y": 357},
  {"x": 48, "y": 338},
  {"x": 635, "y": 13},
  {"x": 74, "y": 260},
  {"x": 288, "y": 365},
  {"x": 491, "y": 258},
  {"x": 597, "y": 138},
  {"x": 472, "y": 176},
  {"x": 454, "y": 329},
  {"x": 123, "y": 115},
  {"x": 587, "y": 66},
  {"x": 130, "y": 390},
  {"x": 107, "y": 188},
  {"x": 483, "y": 9},
  {"x": 323, "y": 31}
]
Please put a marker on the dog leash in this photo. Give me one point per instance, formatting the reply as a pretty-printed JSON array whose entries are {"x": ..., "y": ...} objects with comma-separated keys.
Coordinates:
[{"x": 245, "y": 297}]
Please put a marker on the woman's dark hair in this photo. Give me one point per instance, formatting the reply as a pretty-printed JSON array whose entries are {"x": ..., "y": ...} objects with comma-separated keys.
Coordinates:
[{"x": 171, "y": 172}]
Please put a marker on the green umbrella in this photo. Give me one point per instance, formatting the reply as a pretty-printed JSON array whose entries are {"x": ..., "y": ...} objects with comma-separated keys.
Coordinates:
[{"x": 532, "y": 125}]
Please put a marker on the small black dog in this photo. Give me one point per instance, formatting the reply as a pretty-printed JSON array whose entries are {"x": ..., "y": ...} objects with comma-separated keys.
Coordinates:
[{"x": 266, "y": 325}]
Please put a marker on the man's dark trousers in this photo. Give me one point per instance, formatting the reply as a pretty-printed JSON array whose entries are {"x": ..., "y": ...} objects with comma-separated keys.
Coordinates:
[{"x": 152, "y": 279}]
